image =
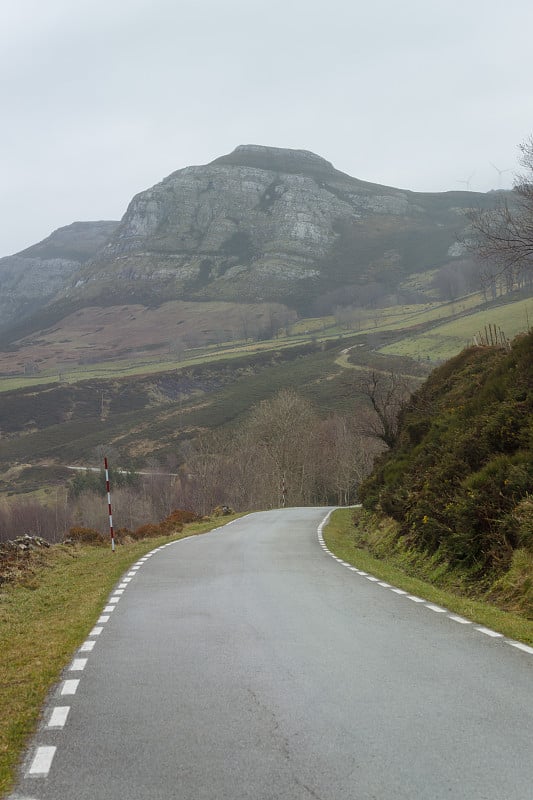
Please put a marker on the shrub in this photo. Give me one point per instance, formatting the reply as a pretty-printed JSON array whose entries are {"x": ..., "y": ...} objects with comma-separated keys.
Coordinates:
[
  {"x": 515, "y": 588},
  {"x": 148, "y": 531},
  {"x": 177, "y": 519},
  {"x": 459, "y": 477},
  {"x": 122, "y": 534},
  {"x": 523, "y": 516},
  {"x": 86, "y": 536}
]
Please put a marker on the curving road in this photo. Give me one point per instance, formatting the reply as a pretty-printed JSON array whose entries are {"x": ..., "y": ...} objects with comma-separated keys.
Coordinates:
[{"x": 247, "y": 663}]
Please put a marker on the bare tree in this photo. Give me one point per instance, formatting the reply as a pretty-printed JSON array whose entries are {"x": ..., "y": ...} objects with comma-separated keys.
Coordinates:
[
  {"x": 503, "y": 236},
  {"x": 285, "y": 427},
  {"x": 344, "y": 457},
  {"x": 387, "y": 393}
]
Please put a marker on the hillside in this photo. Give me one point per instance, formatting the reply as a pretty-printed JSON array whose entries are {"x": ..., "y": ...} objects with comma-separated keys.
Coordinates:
[
  {"x": 29, "y": 279},
  {"x": 459, "y": 479},
  {"x": 152, "y": 416}
]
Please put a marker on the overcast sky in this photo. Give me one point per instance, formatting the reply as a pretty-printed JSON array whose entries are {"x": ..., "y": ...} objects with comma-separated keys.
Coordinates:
[{"x": 101, "y": 99}]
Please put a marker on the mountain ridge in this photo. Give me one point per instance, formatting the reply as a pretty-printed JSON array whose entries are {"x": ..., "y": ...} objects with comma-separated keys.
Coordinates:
[{"x": 260, "y": 224}]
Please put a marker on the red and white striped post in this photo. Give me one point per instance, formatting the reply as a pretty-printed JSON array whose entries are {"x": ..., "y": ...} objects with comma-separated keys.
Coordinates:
[{"x": 109, "y": 505}]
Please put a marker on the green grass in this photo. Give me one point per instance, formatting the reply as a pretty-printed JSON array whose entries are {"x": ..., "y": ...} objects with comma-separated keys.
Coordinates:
[
  {"x": 43, "y": 620},
  {"x": 341, "y": 537},
  {"x": 448, "y": 339}
]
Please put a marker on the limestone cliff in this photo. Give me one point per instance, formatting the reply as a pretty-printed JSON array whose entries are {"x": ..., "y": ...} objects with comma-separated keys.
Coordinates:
[
  {"x": 264, "y": 223},
  {"x": 259, "y": 224},
  {"x": 35, "y": 275}
]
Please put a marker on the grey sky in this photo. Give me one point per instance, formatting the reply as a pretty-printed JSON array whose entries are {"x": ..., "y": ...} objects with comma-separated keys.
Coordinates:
[{"x": 101, "y": 99}]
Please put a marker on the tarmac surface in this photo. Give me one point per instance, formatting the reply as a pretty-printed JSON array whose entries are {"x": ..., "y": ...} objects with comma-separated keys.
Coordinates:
[{"x": 247, "y": 663}]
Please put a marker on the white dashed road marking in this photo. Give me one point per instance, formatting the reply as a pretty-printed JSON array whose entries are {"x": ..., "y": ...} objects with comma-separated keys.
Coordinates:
[
  {"x": 526, "y": 648},
  {"x": 42, "y": 761},
  {"x": 420, "y": 600},
  {"x": 78, "y": 665},
  {"x": 488, "y": 632},
  {"x": 44, "y": 754},
  {"x": 70, "y": 686},
  {"x": 58, "y": 717}
]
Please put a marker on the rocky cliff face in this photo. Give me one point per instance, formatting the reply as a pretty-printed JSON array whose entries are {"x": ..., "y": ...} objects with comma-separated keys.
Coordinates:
[
  {"x": 259, "y": 224},
  {"x": 265, "y": 223},
  {"x": 32, "y": 277}
]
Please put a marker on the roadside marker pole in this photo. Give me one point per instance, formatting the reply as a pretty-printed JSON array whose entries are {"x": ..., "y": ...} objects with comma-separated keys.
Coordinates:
[{"x": 109, "y": 505}]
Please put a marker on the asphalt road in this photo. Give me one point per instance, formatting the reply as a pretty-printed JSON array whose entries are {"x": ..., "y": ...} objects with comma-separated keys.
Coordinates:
[{"x": 247, "y": 663}]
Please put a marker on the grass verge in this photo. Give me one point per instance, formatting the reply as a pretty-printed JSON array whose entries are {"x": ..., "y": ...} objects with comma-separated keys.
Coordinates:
[
  {"x": 43, "y": 620},
  {"x": 341, "y": 537}
]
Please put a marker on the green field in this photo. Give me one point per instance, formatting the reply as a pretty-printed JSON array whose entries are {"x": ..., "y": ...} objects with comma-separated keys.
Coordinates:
[{"x": 446, "y": 340}]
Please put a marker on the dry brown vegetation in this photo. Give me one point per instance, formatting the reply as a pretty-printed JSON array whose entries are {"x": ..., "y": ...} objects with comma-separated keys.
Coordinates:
[{"x": 96, "y": 334}]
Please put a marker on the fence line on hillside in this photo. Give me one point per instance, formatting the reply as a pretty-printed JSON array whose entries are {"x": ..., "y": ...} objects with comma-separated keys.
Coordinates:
[{"x": 492, "y": 336}]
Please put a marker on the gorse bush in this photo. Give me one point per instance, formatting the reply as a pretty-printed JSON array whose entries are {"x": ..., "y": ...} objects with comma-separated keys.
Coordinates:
[
  {"x": 83, "y": 535},
  {"x": 173, "y": 523},
  {"x": 459, "y": 477}
]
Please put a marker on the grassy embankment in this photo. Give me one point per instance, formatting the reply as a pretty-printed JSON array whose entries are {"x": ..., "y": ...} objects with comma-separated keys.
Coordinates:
[
  {"x": 44, "y": 617},
  {"x": 416, "y": 574}
]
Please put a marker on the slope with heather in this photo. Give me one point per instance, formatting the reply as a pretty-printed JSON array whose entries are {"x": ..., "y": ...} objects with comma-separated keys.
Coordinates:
[{"x": 459, "y": 479}]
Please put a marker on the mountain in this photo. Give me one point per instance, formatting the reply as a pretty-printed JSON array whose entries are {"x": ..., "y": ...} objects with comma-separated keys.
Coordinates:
[
  {"x": 269, "y": 224},
  {"x": 260, "y": 225},
  {"x": 31, "y": 278}
]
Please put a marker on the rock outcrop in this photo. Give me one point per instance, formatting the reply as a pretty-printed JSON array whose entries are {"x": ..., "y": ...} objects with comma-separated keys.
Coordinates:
[
  {"x": 264, "y": 223},
  {"x": 261, "y": 224},
  {"x": 35, "y": 275}
]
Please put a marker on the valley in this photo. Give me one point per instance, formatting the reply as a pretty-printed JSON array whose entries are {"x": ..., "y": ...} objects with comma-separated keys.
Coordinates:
[
  {"x": 265, "y": 270},
  {"x": 147, "y": 407}
]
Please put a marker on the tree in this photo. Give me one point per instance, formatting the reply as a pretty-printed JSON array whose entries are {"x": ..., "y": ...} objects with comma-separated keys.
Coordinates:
[
  {"x": 344, "y": 457},
  {"x": 503, "y": 236},
  {"x": 284, "y": 429},
  {"x": 387, "y": 393}
]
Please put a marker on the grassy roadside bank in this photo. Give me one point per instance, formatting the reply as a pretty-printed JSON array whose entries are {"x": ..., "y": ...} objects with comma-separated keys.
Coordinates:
[
  {"x": 45, "y": 617},
  {"x": 342, "y": 538}
]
